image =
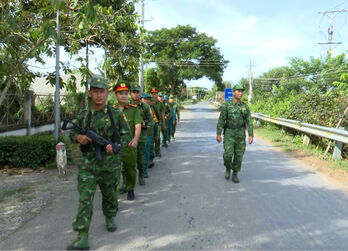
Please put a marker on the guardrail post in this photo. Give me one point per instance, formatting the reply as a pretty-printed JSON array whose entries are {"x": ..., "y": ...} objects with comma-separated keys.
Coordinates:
[
  {"x": 27, "y": 110},
  {"x": 306, "y": 140},
  {"x": 337, "y": 153}
]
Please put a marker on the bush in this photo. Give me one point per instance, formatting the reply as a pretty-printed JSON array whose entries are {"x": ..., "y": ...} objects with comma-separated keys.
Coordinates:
[{"x": 28, "y": 151}]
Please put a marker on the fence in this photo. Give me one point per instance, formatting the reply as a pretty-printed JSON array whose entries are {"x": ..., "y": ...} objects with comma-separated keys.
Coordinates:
[{"x": 28, "y": 110}]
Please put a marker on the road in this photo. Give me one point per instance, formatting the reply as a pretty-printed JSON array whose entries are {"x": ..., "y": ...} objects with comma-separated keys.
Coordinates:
[{"x": 187, "y": 203}]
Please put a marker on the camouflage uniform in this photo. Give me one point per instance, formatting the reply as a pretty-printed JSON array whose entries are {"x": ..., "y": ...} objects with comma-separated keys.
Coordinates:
[
  {"x": 155, "y": 133},
  {"x": 176, "y": 117},
  {"x": 168, "y": 113},
  {"x": 236, "y": 117},
  {"x": 159, "y": 106}
]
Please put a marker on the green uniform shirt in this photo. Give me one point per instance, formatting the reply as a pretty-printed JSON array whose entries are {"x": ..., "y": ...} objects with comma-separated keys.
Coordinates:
[
  {"x": 147, "y": 116},
  {"x": 176, "y": 113},
  {"x": 168, "y": 111},
  {"x": 101, "y": 124},
  {"x": 133, "y": 117},
  {"x": 160, "y": 108},
  {"x": 235, "y": 116}
]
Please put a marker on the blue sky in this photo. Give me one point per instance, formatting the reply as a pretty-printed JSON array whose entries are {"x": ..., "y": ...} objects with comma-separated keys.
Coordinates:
[{"x": 268, "y": 32}]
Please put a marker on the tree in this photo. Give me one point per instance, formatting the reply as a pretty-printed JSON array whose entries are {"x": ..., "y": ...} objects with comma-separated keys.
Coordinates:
[{"x": 182, "y": 53}]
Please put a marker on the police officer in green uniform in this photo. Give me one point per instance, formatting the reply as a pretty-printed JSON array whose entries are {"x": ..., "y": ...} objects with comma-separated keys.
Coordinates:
[
  {"x": 110, "y": 124},
  {"x": 129, "y": 153},
  {"x": 233, "y": 120},
  {"x": 146, "y": 126}
]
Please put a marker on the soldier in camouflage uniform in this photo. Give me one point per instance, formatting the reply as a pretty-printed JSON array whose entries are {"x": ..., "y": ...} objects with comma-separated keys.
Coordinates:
[
  {"x": 146, "y": 127},
  {"x": 176, "y": 114},
  {"x": 129, "y": 153},
  {"x": 94, "y": 172},
  {"x": 168, "y": 113},
  {"x": 234, "y": 119},
  {"x": 156, "y": 117},
  {"x": 161, "y": 125}
]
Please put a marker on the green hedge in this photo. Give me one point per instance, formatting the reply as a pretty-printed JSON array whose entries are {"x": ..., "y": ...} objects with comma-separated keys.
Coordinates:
[{"x": 28, "y": 151}]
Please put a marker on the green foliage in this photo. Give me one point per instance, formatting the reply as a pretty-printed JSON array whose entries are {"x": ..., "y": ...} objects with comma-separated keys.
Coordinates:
[
  {"x": 27, "y": 151},
  {"x": 181, "y": 53}
]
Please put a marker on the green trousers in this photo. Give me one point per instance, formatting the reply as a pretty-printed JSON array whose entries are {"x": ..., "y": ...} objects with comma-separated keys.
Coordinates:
[
  {"x": 91, "y": 174},
  {"x": 129, "y": 159},
  {"x": 234, "y": 148},
  {"x": 141, "y": 155}
]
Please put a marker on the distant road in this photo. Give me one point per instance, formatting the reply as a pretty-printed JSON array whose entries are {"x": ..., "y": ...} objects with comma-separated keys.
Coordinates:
[{"x": 187, "y": 203}]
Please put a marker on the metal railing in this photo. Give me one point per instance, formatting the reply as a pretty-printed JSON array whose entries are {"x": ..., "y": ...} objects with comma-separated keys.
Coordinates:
[{"x": 339, "y": 135}]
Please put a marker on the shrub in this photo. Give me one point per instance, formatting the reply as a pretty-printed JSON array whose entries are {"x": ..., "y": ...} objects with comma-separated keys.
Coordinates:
[{"x": 28, "y": 151}]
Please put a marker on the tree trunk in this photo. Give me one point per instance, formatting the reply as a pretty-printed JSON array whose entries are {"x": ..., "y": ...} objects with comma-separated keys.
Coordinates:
[{"x": 16, "y": 70}]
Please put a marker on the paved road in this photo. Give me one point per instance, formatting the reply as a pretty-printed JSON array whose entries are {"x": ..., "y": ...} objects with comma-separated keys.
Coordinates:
[{"x": 187, "y": 203}]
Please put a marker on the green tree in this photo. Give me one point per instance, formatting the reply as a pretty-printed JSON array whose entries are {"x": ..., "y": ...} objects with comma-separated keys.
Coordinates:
[{"x": 182, "y": 53}]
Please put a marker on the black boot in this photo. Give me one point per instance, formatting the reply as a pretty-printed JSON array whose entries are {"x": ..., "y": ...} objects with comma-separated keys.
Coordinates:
[{"x": 130, "y": 195}]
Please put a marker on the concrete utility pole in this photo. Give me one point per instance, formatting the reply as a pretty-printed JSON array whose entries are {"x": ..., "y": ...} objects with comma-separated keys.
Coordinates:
[
  {"x": 141, "y": 61},
  {"x": 57, "y": 94},
  {"x": 250, "y": 96},
  {"x": 331, "y": 15},
  {"x": 87, "y": 79}
]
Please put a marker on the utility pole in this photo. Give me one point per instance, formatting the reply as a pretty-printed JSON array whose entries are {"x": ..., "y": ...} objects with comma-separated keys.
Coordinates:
[
  {"x": 250, "y": 96},
  {"x": 57, "y": 94},
  {"x": 331, "y": 15},
  {"x": 141, "y": 61}
]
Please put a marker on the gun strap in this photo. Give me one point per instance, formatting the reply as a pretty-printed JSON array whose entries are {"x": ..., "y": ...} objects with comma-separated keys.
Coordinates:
[
  {"x": 116, "y": 135},
  {"x": 89, "y": 118}
]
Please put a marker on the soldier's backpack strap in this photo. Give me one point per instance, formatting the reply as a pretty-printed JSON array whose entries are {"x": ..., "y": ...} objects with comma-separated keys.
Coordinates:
[{"x": 116, "y": 135}]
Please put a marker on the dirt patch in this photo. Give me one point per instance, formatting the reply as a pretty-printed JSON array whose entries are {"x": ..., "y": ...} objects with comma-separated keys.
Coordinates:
[
  {"x": 335, "y": 177},
  {"x": 25, "y": 192}
]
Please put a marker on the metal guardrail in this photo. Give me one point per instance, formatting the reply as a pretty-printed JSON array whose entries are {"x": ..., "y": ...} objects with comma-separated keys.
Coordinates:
[
  {"x": 340, "y": 136},
  {"x": 334, "y": 134}
]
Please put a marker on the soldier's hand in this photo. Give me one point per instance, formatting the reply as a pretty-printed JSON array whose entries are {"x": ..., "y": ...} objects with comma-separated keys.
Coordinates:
[
  {"x": 143, "y": 125},
  {"x": 251, "y": 140},
  {"x": 218, "y": 138},
  {"x": 109, "y": 149},
  {"x": 174, "y": 122},
  {"x": 83, "y": 139},
  {"x": 133, "y": 143}
]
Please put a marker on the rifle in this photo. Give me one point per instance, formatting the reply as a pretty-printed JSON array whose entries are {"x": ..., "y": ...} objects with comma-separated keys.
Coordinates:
[{"x": 98, "y": 140}]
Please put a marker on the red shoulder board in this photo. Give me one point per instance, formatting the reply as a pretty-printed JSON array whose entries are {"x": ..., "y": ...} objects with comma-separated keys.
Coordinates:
[{"x": 132, "y": 105}]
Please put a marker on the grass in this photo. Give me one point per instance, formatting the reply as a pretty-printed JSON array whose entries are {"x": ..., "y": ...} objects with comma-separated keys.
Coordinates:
[
  {"x": 23, "y": 193},
  {"x": 293, "y": 144}
]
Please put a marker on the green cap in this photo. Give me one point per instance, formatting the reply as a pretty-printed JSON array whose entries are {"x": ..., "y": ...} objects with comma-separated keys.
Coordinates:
[
  {"x": 135, "y": 87},
  {"x": 171, "y": 96},
  {"x": 238, "y": 87},
  {"x": 160, "y": 94},
  {"x": 98, "y": 82}
]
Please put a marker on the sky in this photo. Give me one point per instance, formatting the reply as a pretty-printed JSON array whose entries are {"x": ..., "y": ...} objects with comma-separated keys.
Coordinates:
[{"x": 267, "y": 32}]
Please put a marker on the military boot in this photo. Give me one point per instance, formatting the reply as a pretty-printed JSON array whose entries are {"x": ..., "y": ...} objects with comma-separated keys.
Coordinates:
[
  {"x": 123, "y": 186},
  {"x": 235, "y": 177},
  {"x": 81, "y": 242},
  {"x": 130, "y": 195},
  {"x": 141, "y": 178},
  {"x": 227, "y": 173},
  {"x": 110, "y": 224}
]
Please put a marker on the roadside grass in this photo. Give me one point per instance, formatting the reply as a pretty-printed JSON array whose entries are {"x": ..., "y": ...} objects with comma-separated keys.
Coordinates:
[
  {"x": 293, "y": 145},
  {"x": 23, "y": 193}
]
